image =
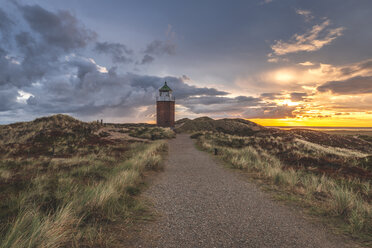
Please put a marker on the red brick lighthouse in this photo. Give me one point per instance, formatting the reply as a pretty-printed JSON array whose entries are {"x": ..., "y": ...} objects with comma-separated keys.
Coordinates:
[{"x": 165, "y": 107}]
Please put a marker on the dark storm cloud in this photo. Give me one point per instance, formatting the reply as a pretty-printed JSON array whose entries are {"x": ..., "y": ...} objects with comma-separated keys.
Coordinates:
[
  {"x": 31, "y": 64},
  {"x": 180, "y": 88},
  {"x": 8, "y": 97},
  {"x": 40, "y": 56},
  {"x": 10, "y": 72},
  {"x": 60, "y": 29},
  {"x": 59, "y": 81},
  {"x": 5, "y": 25},
  {"x": 158, "y": 47},
  {"x": 118, "y": 52},
  {"x": 36, "y": 60},
  {"x": 83, "y": 66},
  {"x": 246, "y": 107},
  {"x": 355, "y": 85},
  {"x": 208, "y": 100},
  {"x": 91, "y": 92},
  {"x": 147, "y": 59},
  {"x": 218, "y": 104}
]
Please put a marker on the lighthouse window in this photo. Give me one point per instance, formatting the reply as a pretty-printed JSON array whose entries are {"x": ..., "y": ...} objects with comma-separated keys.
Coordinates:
[{"x": 164, "y": 93}]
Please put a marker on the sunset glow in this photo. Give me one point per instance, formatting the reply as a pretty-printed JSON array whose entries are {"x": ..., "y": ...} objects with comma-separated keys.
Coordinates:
[
  {"x": 314, "y": 122},
  {"x": 284, "y": 76}
]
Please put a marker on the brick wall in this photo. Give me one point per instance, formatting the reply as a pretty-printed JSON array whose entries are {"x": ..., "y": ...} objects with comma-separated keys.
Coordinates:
[{"x": 165, "y": 113}]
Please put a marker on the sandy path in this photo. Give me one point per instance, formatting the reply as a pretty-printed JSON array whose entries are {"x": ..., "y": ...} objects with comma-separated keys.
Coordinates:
[{"x": 202, "y": 204}]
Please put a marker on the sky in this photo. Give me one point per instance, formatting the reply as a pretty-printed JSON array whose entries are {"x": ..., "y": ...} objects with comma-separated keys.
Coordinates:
[{"x": 275, "y": 62}]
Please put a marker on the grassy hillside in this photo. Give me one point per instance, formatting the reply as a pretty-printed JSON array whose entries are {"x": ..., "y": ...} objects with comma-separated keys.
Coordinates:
[
  {"x": 329, "y": 174},
  {"x": 67, "y": 183},
  {"x": 230, "y": 126}
]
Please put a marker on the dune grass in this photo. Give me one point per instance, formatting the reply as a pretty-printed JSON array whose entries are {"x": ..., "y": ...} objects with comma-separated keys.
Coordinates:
[
  {"x": 59, "y": 207},
  {"x": 348, "y": 200},
  {"x": 151, "y": 133}
]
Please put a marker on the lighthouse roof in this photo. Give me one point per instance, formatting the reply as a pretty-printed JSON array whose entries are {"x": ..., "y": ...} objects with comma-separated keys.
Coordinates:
[{"x": 165, "y": 88}]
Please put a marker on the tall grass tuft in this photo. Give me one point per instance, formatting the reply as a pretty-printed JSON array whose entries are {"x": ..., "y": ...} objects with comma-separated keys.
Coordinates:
[
  {"x": 31, "y": 229},
  {"x": 342, "y": 200}
]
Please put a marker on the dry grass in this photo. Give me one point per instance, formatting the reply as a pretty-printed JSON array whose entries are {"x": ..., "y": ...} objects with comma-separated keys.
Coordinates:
[
  {"x": 320, "y": 150},
  {"x": 231, "y": 126},
  {"x": 71, "y": 199},
  {"x": 31, "y": 229},
  {"x": 337, "y": 197},
  {"x": 152, "y": 133},
  {"x": 53, "y": 213},
  {"x": 143, "y": 131}
]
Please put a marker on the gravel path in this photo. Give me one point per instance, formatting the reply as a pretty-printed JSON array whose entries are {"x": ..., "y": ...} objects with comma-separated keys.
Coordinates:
[{"x": 202, "y": 204}]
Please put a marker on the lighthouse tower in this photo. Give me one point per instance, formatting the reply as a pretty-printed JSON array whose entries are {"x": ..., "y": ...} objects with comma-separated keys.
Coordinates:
[{"x": 165, "y": 107}]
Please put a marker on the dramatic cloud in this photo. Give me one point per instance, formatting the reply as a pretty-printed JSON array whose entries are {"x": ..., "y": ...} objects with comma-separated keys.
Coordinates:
[
  {"x": 33, "y": 62},
  {"x": 355, "y": 85},
  {"x": 8, "y": 98},
  {"x": 361, "y": 68},
  {"x": 118, "y": 52},
  {"x": 271, "y": 96},
  {"x": 60, "y": 29},
  {"x": 298, "y": 96},
  {"x": 180, "y": 88},
  {"x": 314, "y": 39},
  {"x": 158, "y": 47},
  {"x": 218, "y": 104},
  {"x": 93, "y": 92},
  {"x": 49, "y": 73},
  {"x": 83, "y": 87},
  {"x": 5, "y": 25},
  {"x": 50, "y": 62},
  {"x": 147, "y": 59},
  {"x": 40, "y": 53},
  {"x": 241, "y": 106},
  {"x": 269, "y": 112}
]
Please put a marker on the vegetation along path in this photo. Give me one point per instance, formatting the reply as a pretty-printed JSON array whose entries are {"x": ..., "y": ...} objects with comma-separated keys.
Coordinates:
[{"x": 202, "y": 204}]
